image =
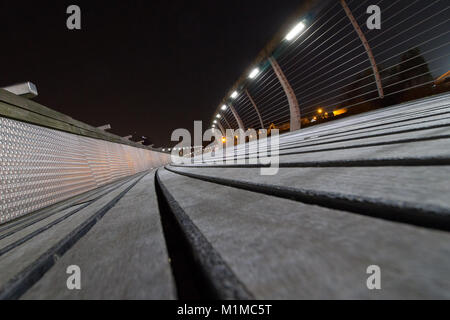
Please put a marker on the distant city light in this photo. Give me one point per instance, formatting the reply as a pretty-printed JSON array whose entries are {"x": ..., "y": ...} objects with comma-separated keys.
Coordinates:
[
  {"x": 224, "y": 107},
  {"x": 295, "y": 31},
  {"x": 254, "y": 73},
  {"x": 234, "y": 95}
]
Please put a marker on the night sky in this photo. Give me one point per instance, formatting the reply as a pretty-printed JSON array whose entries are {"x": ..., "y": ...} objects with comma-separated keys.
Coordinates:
[{"x": 145, "y": 67}]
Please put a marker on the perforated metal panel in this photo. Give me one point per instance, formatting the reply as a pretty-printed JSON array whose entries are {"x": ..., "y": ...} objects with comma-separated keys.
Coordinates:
[{"x": 40, "y": 166}]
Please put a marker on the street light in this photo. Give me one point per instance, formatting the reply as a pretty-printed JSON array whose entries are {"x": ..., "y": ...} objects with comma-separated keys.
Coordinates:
[
  {"x": 254, "y": 73},
  {"x": 27, "y": 90},
  {"x": 234, "y": 95},
  {"x": 218, "y": 116},
  {"x": 224, "y": 107},
  {"x": 295, "y": 31},
  {"x": 105, "y": 127}
]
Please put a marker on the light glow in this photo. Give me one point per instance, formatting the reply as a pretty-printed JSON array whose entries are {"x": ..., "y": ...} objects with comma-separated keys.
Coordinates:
[
  {"x": 295, "y": 31},
  {"x": 224, "y": 107},
  {"x": 218, "y": 116},
  {"x": 254, "y": 73},
  {"x": 339, "y": 112},
  {"x": 234, "y": 95}
]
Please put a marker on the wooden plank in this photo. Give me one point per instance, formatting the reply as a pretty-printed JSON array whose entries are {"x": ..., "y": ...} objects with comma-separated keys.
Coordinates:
[
  {"x": 434, "y": 129},
  {"x": 429, "y": 119},
  {"x": 416, "y": 124},
  {"x": 416, "y": 116},
  {"x": 30, "y": 220},
  {"x": 408, "y": 191},
  {"x": 124, "y": 256},
  {"x": 382, "y": 116},
  {"x": 395, "y": 152},
  {"x": 412, "y": 140},
  {"x": 32, "y": 106},
  {"x": 13, "y": 112},
  {"x": 21, "y": 109},
  {"x": 45, "y": 112},
  {"x": 26, "y": 263},
  {"x": 282, "y": 249},
  {"x": 23, "y": 234}
]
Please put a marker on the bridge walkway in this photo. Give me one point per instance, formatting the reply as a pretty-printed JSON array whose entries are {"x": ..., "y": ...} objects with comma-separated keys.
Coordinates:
[{"x": 371, "y": 189}]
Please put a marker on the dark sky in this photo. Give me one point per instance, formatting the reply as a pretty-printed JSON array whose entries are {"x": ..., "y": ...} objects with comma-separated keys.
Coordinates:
[{"x": 143, "y": 66}]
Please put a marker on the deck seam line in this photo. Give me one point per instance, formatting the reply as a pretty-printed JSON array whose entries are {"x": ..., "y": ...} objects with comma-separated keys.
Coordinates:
[
  {"x": 437, "y": 218},
  {"x": 25, "y": 279},
  {"x": 224, "y": 281}
]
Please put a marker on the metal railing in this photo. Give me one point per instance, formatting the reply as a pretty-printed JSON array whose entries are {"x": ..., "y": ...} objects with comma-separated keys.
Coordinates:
[
  {"x": 336, "y": 65},
  {"x": 47, "y": 157}
]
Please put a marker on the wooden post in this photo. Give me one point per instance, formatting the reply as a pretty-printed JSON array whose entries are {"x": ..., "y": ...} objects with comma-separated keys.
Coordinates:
[
  {"x": 256, "y": 108},
  {"x": 292, "y": 98},
  {"x": 366, "y": 46},
  {"x": 221, "y": 128},
  {"x": 228, "y": 124},
  {"x": 238, "y": 119}
]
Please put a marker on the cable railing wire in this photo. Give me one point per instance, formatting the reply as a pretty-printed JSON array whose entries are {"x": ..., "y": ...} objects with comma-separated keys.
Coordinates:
[
  {"x": 380, "y": 63},
  {"x": 371, "y": 76},
  {"x": 361, "y": 54},
  {"x": 323, "y": 43},
  {"x": 329, "y": 67}
]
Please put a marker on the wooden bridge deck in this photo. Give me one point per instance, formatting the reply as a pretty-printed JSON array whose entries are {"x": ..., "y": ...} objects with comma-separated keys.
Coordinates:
[{"x": 372, "y": 189}]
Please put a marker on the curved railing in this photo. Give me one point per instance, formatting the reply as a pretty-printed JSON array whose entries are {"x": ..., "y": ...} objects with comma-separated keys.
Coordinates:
[
  {"x": 338, "y": 58},
  {"x": 47, "y": 157}
]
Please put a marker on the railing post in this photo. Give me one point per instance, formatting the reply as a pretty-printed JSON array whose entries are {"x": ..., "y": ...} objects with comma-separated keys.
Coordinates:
[
  {"x": 238, "y": 119},
  {"x": 228, "y": 124},
  {"x": 292, "y": 98},
  {"x": 366, "y": 46},
  {"x": 221, "y": 128},
  {"x": 256, "y": 108}
]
